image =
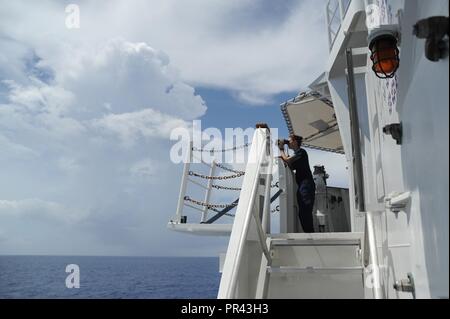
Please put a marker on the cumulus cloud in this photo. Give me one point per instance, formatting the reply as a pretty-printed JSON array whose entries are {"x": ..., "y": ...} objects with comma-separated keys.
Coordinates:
[
  {"x": 254, "y": 48},
  {"x": 130, "y": 127},
  {"x": 90, "y": 138}
]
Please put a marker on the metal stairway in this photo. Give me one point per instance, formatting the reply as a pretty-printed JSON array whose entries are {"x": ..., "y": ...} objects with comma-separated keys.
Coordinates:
[
  {"x": 319, "y": 265},
  {"x": 259, "y": 264}
]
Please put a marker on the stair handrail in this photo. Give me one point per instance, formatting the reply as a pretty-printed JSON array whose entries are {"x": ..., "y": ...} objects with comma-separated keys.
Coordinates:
[
  {"x": 370, "y": 254},
  {"x": 260, "y": 158}
]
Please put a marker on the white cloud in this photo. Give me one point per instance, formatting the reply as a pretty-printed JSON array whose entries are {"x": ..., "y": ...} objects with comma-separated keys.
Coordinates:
[
  {"x": 39, "y": 97},
  {"x": 129, "y": 127},
  {"x": 69, "y": 128},
  {"x": 128, "y": 77},
  {"x": 255, "y": 48}
]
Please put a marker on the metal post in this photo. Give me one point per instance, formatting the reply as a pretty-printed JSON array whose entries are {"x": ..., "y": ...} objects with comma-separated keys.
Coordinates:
[
  {"x": 184, "y": 181},
  {"x": 354, "y": 127},
  {"x": 208, "y": 191}
]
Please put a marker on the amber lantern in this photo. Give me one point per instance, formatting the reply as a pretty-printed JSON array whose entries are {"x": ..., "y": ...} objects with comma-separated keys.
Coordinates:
[{"x": 384, "y": 55}]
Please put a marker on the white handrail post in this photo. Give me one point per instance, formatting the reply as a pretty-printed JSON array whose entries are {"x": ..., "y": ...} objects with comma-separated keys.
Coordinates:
[
  {"x": 208, "y": 191},
  {"x": 377, "y": 289},
  {"x": 184, "y": 181}
]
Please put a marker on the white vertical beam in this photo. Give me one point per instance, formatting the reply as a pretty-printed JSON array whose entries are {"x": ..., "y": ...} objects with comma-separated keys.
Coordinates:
[{"x": 184, "y": 181}]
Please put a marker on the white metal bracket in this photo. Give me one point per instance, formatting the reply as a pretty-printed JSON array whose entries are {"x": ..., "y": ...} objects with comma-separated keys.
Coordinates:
[{"x": 396, "y": 201}]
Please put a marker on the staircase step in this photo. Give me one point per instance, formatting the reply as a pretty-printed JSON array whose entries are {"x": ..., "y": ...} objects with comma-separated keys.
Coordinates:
[
  {"x": 327, "y": 270},
  {"x": 316, "y": 239},
  {"x": 311, "y": 242}
]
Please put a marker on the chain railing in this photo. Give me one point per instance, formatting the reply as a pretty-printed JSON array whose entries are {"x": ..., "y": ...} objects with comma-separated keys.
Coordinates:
[
  {"x": 224, "y": 177},
  {"x": 212, "y": 207},
  {"x": 205, "y": 205},
  {"x": 213, "y": 150},
  {"x": 208, "y": 205},
  {"x": 276, "y": 185},
  {"x": 226, "y": 187},
  {"x": 229, "y": 169}
]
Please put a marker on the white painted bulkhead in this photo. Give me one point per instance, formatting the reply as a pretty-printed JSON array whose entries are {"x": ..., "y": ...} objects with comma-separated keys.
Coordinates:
[{"x": 414, "y": 239}]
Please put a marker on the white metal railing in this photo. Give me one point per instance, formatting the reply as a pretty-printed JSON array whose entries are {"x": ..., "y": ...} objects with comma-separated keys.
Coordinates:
[
  {"x": 334, "y": 15},
  {"x": 248, "y": 226},
  {"x": 187, "y": 178}
]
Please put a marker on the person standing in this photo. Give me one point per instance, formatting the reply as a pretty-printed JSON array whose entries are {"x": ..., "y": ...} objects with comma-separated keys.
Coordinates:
[{"x": 304, "y": 178}]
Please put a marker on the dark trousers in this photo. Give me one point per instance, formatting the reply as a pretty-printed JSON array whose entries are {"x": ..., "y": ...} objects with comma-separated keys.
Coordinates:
[{"x": 306, "y": 194}]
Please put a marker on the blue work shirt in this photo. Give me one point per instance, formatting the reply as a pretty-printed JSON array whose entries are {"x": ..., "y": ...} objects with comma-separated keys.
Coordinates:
[{"x": 300, "y": 163}]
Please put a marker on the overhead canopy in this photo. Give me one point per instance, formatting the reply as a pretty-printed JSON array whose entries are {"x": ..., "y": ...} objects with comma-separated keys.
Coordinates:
[{"x": 312, "y": 116}]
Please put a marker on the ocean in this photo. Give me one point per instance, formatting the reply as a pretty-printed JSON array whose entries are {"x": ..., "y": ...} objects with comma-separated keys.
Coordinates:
[{"x": 110, "y": 277}]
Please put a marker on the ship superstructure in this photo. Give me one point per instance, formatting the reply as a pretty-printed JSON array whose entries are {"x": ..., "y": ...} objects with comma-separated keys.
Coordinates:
[{"x": 383, "y": 102}]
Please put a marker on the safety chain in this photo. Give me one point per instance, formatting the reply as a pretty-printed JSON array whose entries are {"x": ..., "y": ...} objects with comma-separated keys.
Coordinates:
[
  {"x": 222, "y": 150},
  {"x": 275, "y": 210},
  {"x": 212, "y": 207},
  {"x": 191, "y": 173},
  {"x": 208, "y": 205},
  {"x": 276, "y": 185},
  {"x": 225, "y": 187},
  {"x": 229, "y": 169}
]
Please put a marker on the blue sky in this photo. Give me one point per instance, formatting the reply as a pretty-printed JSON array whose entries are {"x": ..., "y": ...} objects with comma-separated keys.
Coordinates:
[
  {"x": 226, "y": 111},
  {"x": 86, "y": 113}
]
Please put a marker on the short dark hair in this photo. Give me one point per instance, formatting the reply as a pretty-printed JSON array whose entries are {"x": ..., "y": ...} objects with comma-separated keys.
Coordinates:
[{"x": 298, "y": 138}]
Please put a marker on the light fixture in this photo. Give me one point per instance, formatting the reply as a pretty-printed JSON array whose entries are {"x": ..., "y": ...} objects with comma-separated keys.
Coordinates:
[
  {"x": 434, "y": 30},
  {"x": 384, "y": 53}
]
